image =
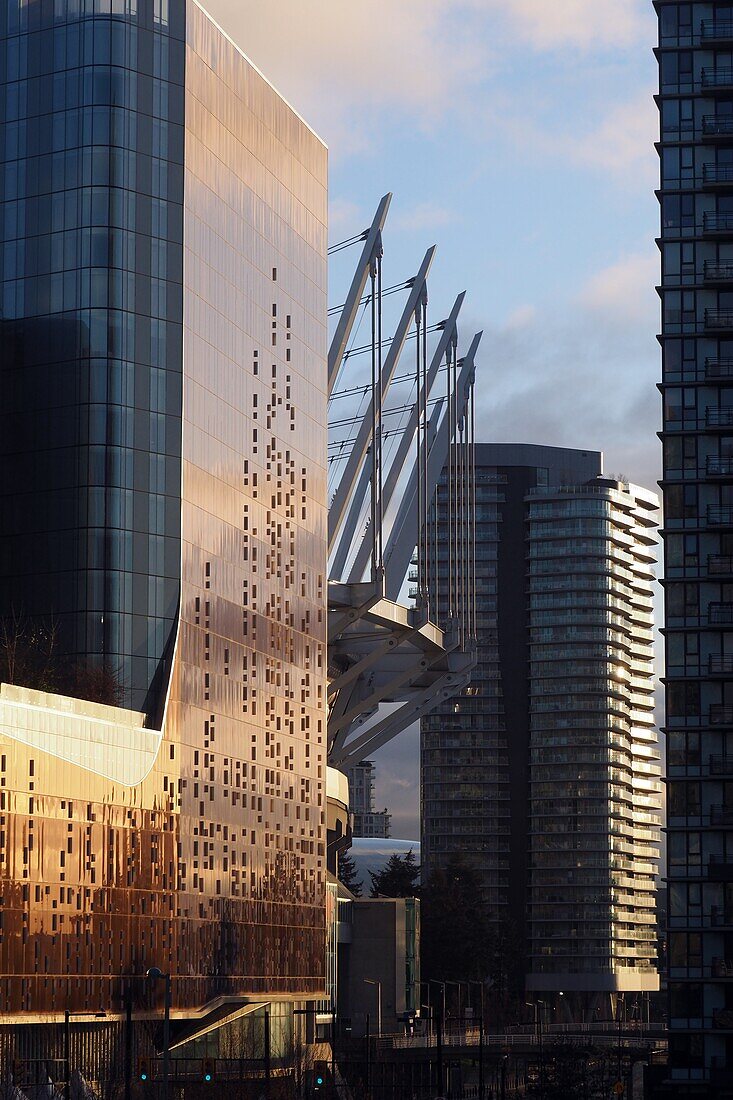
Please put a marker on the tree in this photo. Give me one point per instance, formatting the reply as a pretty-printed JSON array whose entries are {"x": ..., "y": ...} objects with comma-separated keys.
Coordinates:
[
  {"x": 457, "y": 935},
  {"x": 31, "y": 657},
  {"x": 399, "y": 879},
  {"x": 348, "y": 875}
]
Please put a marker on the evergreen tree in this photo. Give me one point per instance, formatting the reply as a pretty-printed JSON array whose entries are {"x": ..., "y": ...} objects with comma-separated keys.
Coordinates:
[
  {"x": 457, "y": 939},
  {"x": 348, "y": 874},
  {"x": 399, "y": 879}
]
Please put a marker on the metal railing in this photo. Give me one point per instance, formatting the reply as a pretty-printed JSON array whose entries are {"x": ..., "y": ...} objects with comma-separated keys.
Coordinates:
[
  {"x": 721, "y": 29},
  {"x": 721, "y": 517},
  {"x": 721, "y": 765},
  {"x": 718, "y": 466},
  {"x": 719, "y": 368},
  {"x": 717, "y": 174},
  {"x": 720, "y": 613},
  {"x": 717, "y": 223},
  {"x": 716, "y": 271},
  {"x": 717, "y": 78},
  {"x": 720, "y": 565},
  {"x": 717, "y": 126},
  {"x": 719, "y": 318},
  {"x": 720, "y": 664},
  {"x": 720, "y": 714}
]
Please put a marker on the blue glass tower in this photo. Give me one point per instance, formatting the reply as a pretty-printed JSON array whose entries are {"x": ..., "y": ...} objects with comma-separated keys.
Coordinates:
[{"x": 91, "y": 183}]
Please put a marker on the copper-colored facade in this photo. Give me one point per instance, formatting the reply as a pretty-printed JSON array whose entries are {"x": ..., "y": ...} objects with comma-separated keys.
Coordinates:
[{"x": 212, "y": 867}]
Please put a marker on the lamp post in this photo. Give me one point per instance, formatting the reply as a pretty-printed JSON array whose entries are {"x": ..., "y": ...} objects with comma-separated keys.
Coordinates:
[
  {"x": 372, "y": 981},
  {"x": 154, "y": 975},
  {"x": 67, "y": 1045}
]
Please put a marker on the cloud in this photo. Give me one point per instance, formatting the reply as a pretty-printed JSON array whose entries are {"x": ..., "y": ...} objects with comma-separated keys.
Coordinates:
[
  {"x": 425, "y": 215},
  {"x": 623, "y": 140},
  {"x": 333, "y": 58},
  {"x": 583, "y": 373},
  {"x": 577, "y": 23},
  {"x": 625, "y": 289},
  {"x": 344, "y": 215}
]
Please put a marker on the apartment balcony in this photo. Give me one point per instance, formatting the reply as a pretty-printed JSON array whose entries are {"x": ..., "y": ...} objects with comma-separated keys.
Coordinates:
[
  {"x": 720, "y": 714},
  {"x": 720, "y": 614},
  {"x": 716, "y": 466},
  {"x": 717, "y": 127},
  {"x": 716, "y": 31},
  {"x": 721, "y": 765},
  {"x": 721, "y": 815},
  {"x": 717, "y": 225},
  {"x": 717, "y": 177},
  {"x": 717, "y": 79},
  {"x": 720, "y": 870},
  {"x": 718, "y": 272},
  {"x": 718, "y": 666},
  {"x": 719, "y": 517},
  {"x": 720, "y": 565},
  {"x": 719, "y": 320},
  {"x": 719, "y": 369}
]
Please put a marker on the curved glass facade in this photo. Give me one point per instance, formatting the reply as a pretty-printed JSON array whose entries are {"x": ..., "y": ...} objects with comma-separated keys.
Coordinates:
[{"x": 91, "y": 167}]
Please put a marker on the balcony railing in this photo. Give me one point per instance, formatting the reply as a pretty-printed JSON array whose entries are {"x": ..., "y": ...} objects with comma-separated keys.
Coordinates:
[
  {"x": 720, "y": 613},
  {"x": 717, "y": 78},
  {"x": 719, "y": 368},
  {"x": 718, "y": 175},
  {"x": 720, "y": 517},
  {"x": 718, "y": 466},
  {"x": 720, "y": 664},
  {"x": 716, "y": 30},
  {"x": 717, "y": 272},
  {"x": 720, "y": 714},
  {"x": 717, "y": 223},
  {"x": 714, "y": 126},
  {"x": 719, "y": 318},
  {"x": 721, "y": 765},
  {"x": 721, "y": 815},
  {"x": 720, "y": 565}
]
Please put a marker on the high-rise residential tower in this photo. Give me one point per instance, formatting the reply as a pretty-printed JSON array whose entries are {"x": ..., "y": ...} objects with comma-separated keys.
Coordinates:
[
  {"x": 696, "y": 150},
  {"x": 544, "y": 776},
  {"x": 163, "y": 502},
  {"x": 368, "y": 821}
]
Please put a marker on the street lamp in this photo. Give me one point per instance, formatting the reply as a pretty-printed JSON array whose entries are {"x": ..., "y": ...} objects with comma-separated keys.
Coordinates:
[
  {"x": 154, "y": 975},
  {"x": 371, "y": 981},
  {"x": 67, "y": 1045}
]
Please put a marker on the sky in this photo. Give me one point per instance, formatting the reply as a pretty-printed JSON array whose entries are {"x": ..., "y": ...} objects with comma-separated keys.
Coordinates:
[{"x": 517, "y": 136}]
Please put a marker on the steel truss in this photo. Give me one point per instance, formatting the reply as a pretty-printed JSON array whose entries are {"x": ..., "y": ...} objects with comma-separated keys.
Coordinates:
[{"x": 381, "y": 649}]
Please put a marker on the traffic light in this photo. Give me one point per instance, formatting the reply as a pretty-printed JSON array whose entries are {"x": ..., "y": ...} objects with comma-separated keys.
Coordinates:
[
  {"x": 143, "y": 1069},
  {"x": 319, "y": 1076},
  {"x": 207, "y": 1070}
]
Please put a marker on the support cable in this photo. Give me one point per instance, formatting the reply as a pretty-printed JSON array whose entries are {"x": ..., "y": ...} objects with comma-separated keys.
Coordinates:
[
  {"x": 474, "y": 622},
  {"x": 341, "y": 245}
]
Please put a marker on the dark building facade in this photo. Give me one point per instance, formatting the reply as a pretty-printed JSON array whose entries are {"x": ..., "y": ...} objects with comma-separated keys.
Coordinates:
[
  {"x": 163, "y": 443},
  {"x": 696, "y": 243},
  {"x": 544, "y": 776}
]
